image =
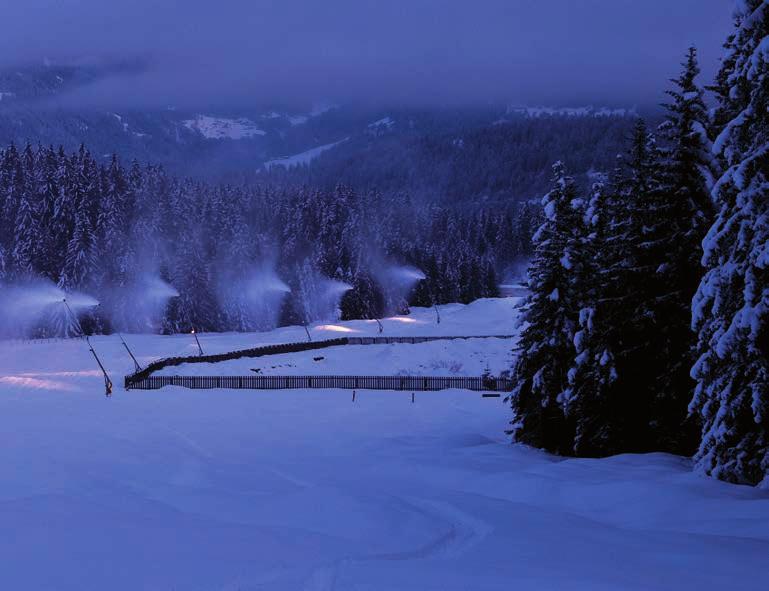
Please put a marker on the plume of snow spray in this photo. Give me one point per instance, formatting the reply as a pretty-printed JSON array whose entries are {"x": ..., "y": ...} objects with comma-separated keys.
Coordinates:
[
  {"x": 154, "y": 288},
  {"x": 37, "y": 308},
  {"x": 331, "y": 295},
  {"x": 253, "y": 299},
  {"x": 319, "y": 297},
  {"x": 397, "y": 282},
  {"x": 516, "y": 272},
  {"x": 79, "y": 301},
  {"x": 406, "y": 275},
  {"x": 263, "y": 282},
  {"x": 139, "y": 306}
]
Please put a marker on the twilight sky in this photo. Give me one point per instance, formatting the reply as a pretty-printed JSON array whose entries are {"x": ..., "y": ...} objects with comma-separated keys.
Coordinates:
[{"x": 427, "y": 51}]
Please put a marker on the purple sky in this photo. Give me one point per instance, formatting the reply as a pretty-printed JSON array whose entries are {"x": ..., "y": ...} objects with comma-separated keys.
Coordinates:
[{"x": 532, "y": 51}]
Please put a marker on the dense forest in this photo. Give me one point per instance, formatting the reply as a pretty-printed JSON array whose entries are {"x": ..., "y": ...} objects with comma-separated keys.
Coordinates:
[
  {"x": 509, "y": 160},
  {"x": 648, "y": 324},
  {"x": 240, "y": 258}
]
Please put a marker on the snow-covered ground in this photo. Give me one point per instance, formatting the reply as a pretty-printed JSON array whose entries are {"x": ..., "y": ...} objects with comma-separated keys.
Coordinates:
[
  {"x": 237, "y": 490},
  {"x": 380, "y": 125},
  {"x": 470, "y": 357},
  {"x": 302, "y": 158},
  {"x": 218, "y": 128}
]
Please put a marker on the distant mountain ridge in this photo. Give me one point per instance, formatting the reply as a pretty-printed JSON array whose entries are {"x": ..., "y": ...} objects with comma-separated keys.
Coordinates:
[
  {"x": 36, "y": 106},
  {"x": 587, "y": 111}
]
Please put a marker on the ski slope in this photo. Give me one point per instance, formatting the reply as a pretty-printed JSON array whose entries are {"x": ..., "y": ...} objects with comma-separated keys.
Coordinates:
[
  {"x": 303, "y": 158},
  {"x": 221, "y": 490},
  {"x": 461, "y": 357},
  {"x": 219, "y": 128}
]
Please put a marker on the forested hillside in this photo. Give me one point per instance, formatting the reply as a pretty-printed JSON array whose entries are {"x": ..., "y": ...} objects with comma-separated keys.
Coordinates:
[{"x": 508, "y": 159}]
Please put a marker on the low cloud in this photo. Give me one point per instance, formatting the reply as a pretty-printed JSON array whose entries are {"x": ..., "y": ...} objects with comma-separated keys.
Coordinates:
[{"x": 427, "y": 51}]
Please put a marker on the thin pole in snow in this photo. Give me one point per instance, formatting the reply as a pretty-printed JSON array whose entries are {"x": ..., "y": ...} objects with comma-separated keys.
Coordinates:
[
  {"x": 435, "y": 306},
  {"x": 107, "y": 381},
  {"x": 136, "y": 363},
  {"x": 200, "y": 349},
  {"x": 437, "y": 313}
]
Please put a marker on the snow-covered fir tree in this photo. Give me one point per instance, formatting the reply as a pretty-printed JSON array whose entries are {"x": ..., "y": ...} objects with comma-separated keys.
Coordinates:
[
  {"x": 639, "y": 330},
  {"x": 685, "y": 207},
  {"x": 593, "y": 373},
  {"x": 3, "y": 263},
  {"x": 731, "y": 308},
  {"x": 630, "y": 279},
  {"x": 546, "y": 347},
  {"x": 26, "y": 235},
  {"x": 9, "y": 177},
  {"x": 44, "y": 181},
  {"x": 110, "y": 232},
  {"x": 80, "y": 260}
]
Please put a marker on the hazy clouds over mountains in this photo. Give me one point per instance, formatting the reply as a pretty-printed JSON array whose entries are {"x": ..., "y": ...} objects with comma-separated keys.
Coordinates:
[{"x": 237, "y": 52}]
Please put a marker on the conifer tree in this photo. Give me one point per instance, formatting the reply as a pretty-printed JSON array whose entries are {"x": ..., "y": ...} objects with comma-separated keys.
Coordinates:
[
  {"x": 25, "y": 236},
  {"x": 10, "y": 175},
  {"x": 45, "y": 187},
  {"x": 546, "y": 348},
  {"x": 638, "y": 238},
  {"x": 3, "y": 263},
  {"x": 593, "y": 373},
  {"x": 687, "y": 171},
  {"x": 731, "y": 308},
  {"x": 80, "y": 260},
  {"x": 628, "y": 390},
  {"x": 111, "y": 221}
]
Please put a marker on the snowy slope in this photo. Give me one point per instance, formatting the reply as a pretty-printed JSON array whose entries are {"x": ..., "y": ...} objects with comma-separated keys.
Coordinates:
[
  {"x": 302, "y": 158},
  {"x": 469, "y": 357},
  {"x": 304, "y": 490},
  {"x": 218, "y": 128},
  {"x": 302, "y": 118},
  {"x": 385, "y": 121}
]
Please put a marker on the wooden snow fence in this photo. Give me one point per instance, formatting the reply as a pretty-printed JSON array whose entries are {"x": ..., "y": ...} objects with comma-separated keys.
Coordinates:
[
  {"x": 398, "y": 383},
  {"x": 144, "y": 380}
]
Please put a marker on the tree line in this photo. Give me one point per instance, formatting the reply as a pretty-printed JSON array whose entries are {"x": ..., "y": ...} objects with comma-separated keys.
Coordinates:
[{"x": 648, "y": 324}]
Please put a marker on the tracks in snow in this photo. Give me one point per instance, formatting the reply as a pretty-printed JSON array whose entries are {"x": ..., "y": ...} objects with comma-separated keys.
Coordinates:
[{"x": 464, "y": 531}]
